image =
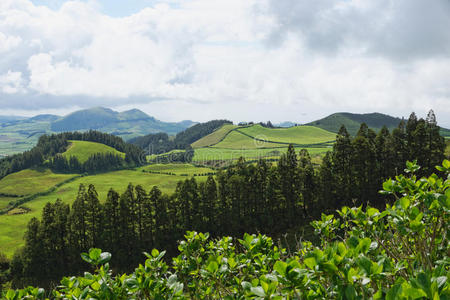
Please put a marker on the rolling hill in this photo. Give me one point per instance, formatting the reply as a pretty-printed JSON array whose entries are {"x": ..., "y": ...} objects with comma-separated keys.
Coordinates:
[
  {"x": 353, "y": 121},
  {"x": 82, "y": 150},
  {"x": 252, "y": 142},
  {"x": 18, "y": 134}
]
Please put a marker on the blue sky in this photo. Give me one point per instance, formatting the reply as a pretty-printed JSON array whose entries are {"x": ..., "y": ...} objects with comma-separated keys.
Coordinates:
[{"x": 244, "y": 60}]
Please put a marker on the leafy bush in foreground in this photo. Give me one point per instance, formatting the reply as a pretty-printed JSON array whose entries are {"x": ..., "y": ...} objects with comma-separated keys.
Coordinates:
[{"x": 399, "y": 253}]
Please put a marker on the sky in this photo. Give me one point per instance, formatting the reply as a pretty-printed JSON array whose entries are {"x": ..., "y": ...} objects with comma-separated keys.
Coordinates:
[{"x": 252, "y": 60}]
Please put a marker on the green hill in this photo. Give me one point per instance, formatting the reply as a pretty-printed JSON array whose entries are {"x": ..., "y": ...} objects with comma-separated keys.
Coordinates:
[
  {"x": 18, "y": 134},
  {"x": 13, "y": 226},
  {"x": 82, "y": 150},
  {"x": 252, "y": 142},
  {"x": 214, "y": 137},
  {"x": 293, "y": 135},
  {"x": 353, "y": 121}
]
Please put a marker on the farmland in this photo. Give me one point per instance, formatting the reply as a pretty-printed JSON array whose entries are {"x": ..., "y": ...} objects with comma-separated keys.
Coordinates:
[
  {"x": 12, "y": 227},
  {"x": 253, "y": 142},
  {"x": 82, "y": 150}
]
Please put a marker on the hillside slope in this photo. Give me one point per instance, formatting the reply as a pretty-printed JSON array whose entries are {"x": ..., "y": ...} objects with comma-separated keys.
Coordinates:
[
  {"x": 82, "y": 150},
  {"x": 18, "y": 134},
  {"x": 353, "y": 121}
]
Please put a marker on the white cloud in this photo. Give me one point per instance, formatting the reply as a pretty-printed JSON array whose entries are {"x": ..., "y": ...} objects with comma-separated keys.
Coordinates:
[
  {"x": 292, "y": 59},
  {"x": 11, "y": 83}
]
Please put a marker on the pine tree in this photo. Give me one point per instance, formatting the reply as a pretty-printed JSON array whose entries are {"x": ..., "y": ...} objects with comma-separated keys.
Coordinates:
[
  {"x": 93, "y": 217},
  {"x": 111, "y": 222},
  {"x": 307, "y": 180},
  {"x": 342, "y": 160}
]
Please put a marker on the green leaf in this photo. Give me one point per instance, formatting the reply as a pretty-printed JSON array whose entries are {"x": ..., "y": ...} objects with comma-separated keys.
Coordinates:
[
  {"x": 280, "y": 267},
  {"x": 404, "y": 203},
  {"x": 104, "y": 257},
  {"x": 394, "y": 292},
  {"x": 94, "y": 254},
  {"x": 212, "y": 267},
  {"x": 413, "y": 293},
  {"x": 246, "y": 285},
  {"x": 155, "y": 252},
  {"x": 310, "y": 262},
  {"x": 353, "y": 242},
  {"x": 258, "y": 291},
  {"x": 446, "y": 164}
]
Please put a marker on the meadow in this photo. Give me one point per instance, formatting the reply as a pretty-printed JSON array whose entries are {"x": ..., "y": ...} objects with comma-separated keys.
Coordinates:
[
  {"x": 13, "y": 227},
  {"x": 215, "y": 137},
  {"x": 216, "y": 154},
  {"x": 82, "y": 150},
  {"x": 301, "y": 135},
  {"x": 253, "y": 142}
]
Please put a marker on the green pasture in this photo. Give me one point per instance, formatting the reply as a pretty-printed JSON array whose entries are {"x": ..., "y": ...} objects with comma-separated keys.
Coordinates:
[
  {"x": 214, "y": 137},
  {"x": 208, "y": 154},
  {"x": 177, "y": 169},
  {"x": 237, "y": 140},
  {"x": 83, "y": 150},
  {"x": 293, "y": 135},
  {"x": 31, "y": 181},
  {"x": 13, "y": 227}
]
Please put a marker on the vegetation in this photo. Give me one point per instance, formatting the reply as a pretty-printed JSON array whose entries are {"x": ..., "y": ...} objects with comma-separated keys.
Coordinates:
[
  {"x": 13, "y": 227},
  {"x": 160, "y": 143},
  {"x": 214, "y": 137},
  {"x": 83, "y": 150},
  {"x": 243, "y": 198},
  {"x": 213, "y": 154},
  {"x": 400, "y": 252},
  {"x": 30, "y": 181},
  {"x": 352, "y": 122},
  {"x": 21, "y": 134},
  {"x": 49, "y": 149},
  {"x": 300, "y": 135}
]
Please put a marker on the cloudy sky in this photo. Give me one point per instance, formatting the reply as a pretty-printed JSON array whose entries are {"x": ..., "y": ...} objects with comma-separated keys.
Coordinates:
[{"x": 254, "y": 60}]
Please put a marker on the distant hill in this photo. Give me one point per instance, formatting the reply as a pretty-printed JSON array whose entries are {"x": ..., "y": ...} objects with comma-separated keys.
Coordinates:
[
  {"x": 126, "y": 124},
  {"x": 160, "y": 142},
  {"x": 353, "y": 121},
  {"x": 18, "y": 134}
]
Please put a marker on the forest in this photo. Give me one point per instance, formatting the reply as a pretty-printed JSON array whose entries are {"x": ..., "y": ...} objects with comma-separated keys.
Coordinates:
[
  {"x": 260, "y": 197},
  {"x": 159, "y": 143},
  {"x": 49, "y": 146}
]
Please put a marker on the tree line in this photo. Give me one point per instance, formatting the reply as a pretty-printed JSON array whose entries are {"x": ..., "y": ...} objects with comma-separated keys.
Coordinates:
[
  {"x": 50, "y": 146},
  {"x": 261, "y": 197},
  {"x": 158, "y": 143}
]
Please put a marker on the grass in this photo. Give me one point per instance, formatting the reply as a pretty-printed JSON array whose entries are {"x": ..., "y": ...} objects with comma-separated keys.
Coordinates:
[
  {"x": 13, "y": 227},
  {"x": 83, "y": 150},
  {"x": 31, "y": 181},
  {"x": 295, "y": 135},
  {"x": 208, "y": 154},
  {"x": 214, "y": 137},
  {"x": 237, "y": 140},
  {"x": 253, "y": 142},
  {"x": 4, "y": 201},
  {"x": 177, "y": 169}
]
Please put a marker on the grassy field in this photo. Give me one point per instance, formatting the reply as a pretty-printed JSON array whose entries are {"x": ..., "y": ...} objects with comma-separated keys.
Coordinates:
[
  {"x": 237, "y": 140},
  {"x": 207, "y": 154},
  {"x": 31, "y": 181},
  {"x": 215, "y": 137},
  {"x": 177, "y": 169},
  {"x": 293, "y": 135},
  {"x": 252, "y": 142},
  {"x": 83, "y": 150},
  {"x": 13, "y": 227}
]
